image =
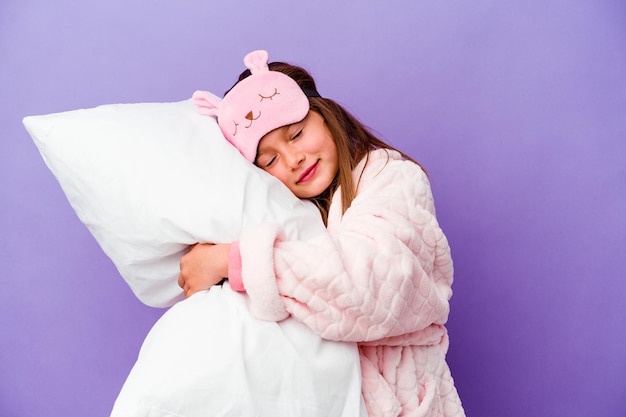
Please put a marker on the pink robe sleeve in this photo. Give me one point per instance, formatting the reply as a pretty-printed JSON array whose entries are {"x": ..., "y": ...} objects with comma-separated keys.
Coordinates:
[{"x": 234, "y": 268}]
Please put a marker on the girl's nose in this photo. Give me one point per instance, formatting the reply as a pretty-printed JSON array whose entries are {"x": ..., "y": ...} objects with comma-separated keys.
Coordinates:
[{"x": 295, "y": 159}]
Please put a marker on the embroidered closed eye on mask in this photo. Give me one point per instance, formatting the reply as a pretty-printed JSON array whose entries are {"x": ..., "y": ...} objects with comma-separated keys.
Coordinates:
[{"x": 258, "y": 104}]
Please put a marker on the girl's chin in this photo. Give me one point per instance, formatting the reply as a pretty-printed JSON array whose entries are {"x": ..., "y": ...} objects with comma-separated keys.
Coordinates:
[{"x": 311, "y": 191}]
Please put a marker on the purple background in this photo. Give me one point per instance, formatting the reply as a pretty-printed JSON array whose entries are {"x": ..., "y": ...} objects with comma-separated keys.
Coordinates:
[{"x": 517, "y": 109}]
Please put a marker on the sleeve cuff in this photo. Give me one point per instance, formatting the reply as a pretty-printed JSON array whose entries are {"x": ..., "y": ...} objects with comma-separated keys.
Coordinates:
[{"x": 234, "y": 268}]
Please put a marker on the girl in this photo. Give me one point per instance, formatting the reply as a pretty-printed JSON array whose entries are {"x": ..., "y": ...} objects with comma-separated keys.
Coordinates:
[{"x": 380, "y": 275}]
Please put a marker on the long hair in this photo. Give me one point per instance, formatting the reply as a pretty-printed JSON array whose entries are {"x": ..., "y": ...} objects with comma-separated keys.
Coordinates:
[{"x": 353, "y": 140}]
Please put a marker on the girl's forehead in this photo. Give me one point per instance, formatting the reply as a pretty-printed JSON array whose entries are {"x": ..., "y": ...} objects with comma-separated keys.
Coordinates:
[{"x": 272, "y": 137}]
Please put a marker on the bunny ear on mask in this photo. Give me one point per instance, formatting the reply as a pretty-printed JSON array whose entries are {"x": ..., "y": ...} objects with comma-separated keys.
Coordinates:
[
  {"x": 257, "y": 61},
  {"x": 206, "y": 103}
]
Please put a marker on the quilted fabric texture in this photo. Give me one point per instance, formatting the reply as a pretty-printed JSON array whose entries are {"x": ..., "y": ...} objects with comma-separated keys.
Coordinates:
[{"x": 381, "y": 276}]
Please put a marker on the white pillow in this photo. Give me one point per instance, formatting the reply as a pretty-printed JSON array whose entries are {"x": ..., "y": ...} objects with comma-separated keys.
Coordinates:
[{"x": 149, "y": 179}]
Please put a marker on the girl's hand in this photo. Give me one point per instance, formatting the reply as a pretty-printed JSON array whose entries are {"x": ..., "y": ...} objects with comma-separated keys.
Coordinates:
[{"x": 204, "y": 266}]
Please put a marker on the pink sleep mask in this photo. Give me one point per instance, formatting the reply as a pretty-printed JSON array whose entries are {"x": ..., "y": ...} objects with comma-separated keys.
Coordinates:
[{"x": 258, "y": 104}]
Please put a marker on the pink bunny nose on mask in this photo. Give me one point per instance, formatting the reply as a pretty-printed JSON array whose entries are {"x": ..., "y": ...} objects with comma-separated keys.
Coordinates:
[{"x": 258, "y": 104}]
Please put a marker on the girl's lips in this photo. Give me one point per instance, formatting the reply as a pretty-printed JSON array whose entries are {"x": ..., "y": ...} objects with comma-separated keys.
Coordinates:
[{"x": 308, "y": 173}]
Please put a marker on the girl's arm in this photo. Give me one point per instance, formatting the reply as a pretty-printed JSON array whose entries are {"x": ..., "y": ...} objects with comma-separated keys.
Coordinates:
[{"x": 383, "y": 270}]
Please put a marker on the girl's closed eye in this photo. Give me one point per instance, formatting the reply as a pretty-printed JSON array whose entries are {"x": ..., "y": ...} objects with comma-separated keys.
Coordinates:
[
  {"x": 268, "y": 161},
  {"x": 297, "y": 135}
]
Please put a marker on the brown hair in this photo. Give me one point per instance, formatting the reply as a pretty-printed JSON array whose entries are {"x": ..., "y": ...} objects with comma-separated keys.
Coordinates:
[{"x": 354, "y": 141}]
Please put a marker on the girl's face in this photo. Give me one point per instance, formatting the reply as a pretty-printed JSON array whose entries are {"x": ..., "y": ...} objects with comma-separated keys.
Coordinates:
[{"x": 303, "y": 156}]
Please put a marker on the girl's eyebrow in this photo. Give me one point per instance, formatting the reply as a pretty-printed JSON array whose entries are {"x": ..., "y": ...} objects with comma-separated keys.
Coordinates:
[
  {"x": 294, "y": 127},
  {"x": 284, "y": 130}
]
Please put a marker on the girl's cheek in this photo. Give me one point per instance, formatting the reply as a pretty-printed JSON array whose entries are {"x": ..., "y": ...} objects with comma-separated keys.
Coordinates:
[{"x": 277, "y": 173}]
